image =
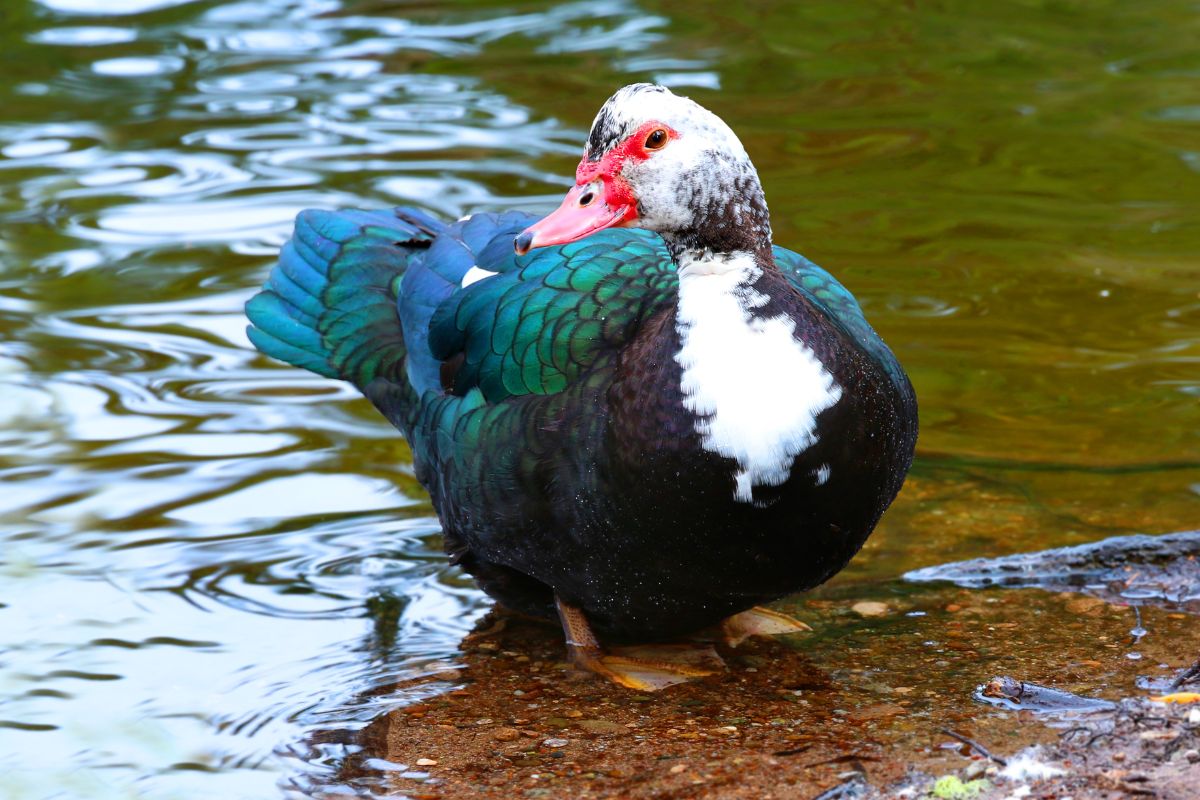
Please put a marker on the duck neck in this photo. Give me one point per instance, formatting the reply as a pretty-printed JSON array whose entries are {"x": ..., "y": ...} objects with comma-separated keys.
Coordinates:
[{"x": 726, "y": 225}]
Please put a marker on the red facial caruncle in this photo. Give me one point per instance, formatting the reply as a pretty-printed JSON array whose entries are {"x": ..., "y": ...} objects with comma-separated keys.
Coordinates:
[{"x": 601, "y": 198}]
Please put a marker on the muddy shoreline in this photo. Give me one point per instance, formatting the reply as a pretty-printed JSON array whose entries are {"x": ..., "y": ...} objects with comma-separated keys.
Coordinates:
[{"x": 794, "y": 719}]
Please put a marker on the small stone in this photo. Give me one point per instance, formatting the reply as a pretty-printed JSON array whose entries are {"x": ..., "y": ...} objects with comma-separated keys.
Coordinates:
[
  {"x": 877, "y": 711},
  {"x": 1118, "y": 757},
  {"x": 506, "y": 734},
  {"x": 953, "y": 608},
  {"x": 1090, "y": 606},
  {"x": 484, "y": 721},
  {"x": 427, "y": 762},
  {"x": 1194, "y": 717},
  {"x": 556, "y": 742},
  {"x": 678, "y": 768},
  {"x": 1192, "y": 756},
  {"x": 870, "y": 608},
  {"x": 574, "y": 714},
  {"x": 601, "y": 726}
]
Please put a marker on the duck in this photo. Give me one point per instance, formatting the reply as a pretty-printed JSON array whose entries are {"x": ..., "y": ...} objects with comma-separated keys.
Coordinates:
[{"x": 636, "y": 415}]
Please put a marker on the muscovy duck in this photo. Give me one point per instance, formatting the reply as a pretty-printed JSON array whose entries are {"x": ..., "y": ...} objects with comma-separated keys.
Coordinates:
[{"x": 636, "y": 413}]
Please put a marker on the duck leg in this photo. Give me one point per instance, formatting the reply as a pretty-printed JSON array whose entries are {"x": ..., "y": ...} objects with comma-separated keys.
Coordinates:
[
  {"x": 759, "y": 621},
  {"x": 645, "y": 668}
]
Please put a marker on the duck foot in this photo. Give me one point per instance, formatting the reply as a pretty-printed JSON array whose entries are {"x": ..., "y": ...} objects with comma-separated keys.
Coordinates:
[
  {"x": 646, "y": 668},
  {"x": 759, "y": 621}
]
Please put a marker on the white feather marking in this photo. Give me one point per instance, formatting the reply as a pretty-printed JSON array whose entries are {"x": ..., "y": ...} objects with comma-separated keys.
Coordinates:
[
  {"x": 822, "y": 474},
  {"x": 475, "y": 274},
  {"x": 755, "y": 389}
]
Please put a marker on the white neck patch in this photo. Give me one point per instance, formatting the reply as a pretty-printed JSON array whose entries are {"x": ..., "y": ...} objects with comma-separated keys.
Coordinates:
[{"x": 755, "y": 389}]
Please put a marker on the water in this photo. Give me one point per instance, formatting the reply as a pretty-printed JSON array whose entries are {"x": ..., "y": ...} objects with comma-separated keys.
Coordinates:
[{"x": 213, "y": 565}]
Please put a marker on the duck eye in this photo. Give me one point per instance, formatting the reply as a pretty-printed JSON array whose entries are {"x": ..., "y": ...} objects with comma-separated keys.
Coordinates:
[{"x": 656, "y": 140}]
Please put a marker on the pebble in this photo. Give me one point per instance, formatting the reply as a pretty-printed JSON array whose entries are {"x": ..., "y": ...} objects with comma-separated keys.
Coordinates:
[
  {"x": 870, "y": 608},
  {"x": 507, "y": 734},
  {"x": 1194, "y": 716},
  {"x": 601, "y": 726},
  {"x": 1193, "y": 756},
  {"x": 427, "y": 762},
  {"x": 678, "y": 768},
  {"x": 556, "y": 742},
  {"x": 1090, "y": 606}
]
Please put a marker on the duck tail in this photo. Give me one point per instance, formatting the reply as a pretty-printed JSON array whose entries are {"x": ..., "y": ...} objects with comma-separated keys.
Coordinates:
[{"x": 329, "y": 305}]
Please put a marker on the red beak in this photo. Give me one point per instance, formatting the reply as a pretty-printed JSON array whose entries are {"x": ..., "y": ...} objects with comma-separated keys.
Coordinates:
[{"x": 589, "y": 207}]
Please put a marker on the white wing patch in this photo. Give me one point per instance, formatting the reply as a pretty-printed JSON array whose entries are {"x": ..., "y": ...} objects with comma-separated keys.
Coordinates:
[
  {"x": 475, "y": 274},
  {"x": 755, "y": 389}
]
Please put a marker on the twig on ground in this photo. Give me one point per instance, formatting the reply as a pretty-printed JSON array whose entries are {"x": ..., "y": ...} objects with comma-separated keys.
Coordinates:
[
  {"x": 983, "y": 751},
  {"x": 1187, "y": 676}
]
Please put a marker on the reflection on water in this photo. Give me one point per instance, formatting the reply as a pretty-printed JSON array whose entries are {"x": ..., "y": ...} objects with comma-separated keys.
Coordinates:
[{"x": 212, "y": 565}]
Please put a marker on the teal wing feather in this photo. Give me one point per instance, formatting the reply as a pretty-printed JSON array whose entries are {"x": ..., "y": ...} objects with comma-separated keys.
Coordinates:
[
  {"x": 842, "y": 309},
  {"x": 822, "y": 289},
  {"x": 535, "y": 328},
  {"x": 330, "y": 304}
]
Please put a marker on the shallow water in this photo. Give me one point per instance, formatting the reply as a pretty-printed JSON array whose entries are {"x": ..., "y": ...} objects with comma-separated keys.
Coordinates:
[{"x": 211, "y": 560}]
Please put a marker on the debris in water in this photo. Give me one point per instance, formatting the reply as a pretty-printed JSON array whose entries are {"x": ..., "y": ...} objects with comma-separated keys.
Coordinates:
[
  {"x": 1178, "y": 697},
  {"x": 1022, "y": 696},
  {"x": 1028, "y": 766}
]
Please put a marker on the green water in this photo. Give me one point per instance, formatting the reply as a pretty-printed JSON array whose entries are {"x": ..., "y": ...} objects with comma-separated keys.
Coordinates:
[{"x": 210, "y": 560}]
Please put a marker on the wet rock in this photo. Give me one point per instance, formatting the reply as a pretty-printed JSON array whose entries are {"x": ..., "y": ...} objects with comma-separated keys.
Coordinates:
[
  {"x": 1152, "y": 570},
  {"x": 507, "y": 734}
]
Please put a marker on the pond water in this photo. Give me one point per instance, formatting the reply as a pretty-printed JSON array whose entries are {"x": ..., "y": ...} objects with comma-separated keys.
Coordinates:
[{"x": 212, "y": 563}]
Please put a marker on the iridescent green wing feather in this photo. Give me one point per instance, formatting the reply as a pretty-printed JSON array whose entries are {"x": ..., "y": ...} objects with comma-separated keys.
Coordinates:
[{"x": 535, "y": 328}]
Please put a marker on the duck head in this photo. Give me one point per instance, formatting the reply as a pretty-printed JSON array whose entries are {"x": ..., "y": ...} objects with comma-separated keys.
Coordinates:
[{"x": 658, "y": 161}]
